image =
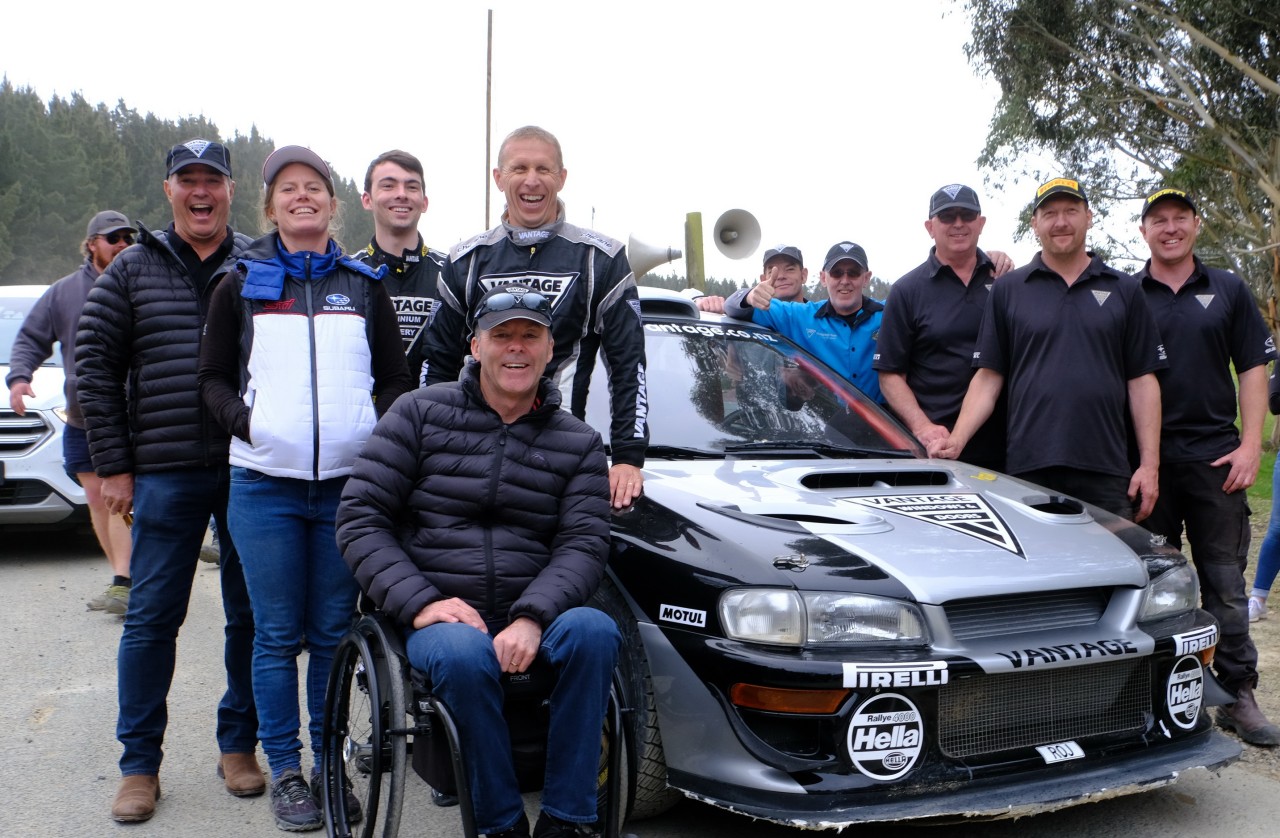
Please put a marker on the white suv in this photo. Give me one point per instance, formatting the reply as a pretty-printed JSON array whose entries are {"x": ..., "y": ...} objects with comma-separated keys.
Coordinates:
[{"x": 35, "y": 490}]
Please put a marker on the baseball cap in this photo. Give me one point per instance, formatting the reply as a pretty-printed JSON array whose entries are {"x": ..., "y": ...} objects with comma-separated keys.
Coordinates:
[
  {"x": 1165, "y": 195},
  {"x": 108, "y": 221},
  {"x": 286, "y": 154},
  {"x": 789, "y": 251},
  {"x": 845, "y": 250},
  {"x": 1058, "y": 186},
  {"x": 205, "y": 152},
  {"x": 511, "y": 302},
  {"x": 954, "y": 196}
]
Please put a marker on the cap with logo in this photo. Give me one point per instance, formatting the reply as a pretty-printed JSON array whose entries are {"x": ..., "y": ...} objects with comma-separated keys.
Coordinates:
[
  {"x": 845, "y": 250},
  {"x": 1058, "y": 186},
  {"x": 954, "y": 196},
  {"x": 511, "y": 302},
  {"x": 202, "y": 152},
  {"x": 108, "y": 221},
  {"x": 286, "y": 154},
  {"x": 787, "y": 250},
  {"x": 1167, "y": 195}
]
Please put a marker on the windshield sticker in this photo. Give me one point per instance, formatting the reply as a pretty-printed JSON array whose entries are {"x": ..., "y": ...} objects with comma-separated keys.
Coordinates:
[
  {"x": 884, "y": 675},
  {"x": 886, "y": 736},
  {"x": 711, "y": 331},
  {"x": 968, "y": 514},
  {"x": 684, "y": 616},
  {"x": 1185, "y": 692},
  {"x": 1195, "y": 641}
]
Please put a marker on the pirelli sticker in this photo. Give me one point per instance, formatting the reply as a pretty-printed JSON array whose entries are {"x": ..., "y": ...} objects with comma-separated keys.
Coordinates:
[
  {"x": 968, "y": 514},
  {"x": 1196, "y": 641}
]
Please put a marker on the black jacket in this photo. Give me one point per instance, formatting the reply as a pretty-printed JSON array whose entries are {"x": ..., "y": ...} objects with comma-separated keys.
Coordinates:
[
  {"x": 411, "y": 280},
  {"x": 137, "y": 359},
  {"x": 447, "y": 501}
]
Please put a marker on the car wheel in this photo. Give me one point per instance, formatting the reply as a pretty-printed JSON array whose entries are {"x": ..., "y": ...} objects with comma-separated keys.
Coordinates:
[{"x": 651, "y": 796}]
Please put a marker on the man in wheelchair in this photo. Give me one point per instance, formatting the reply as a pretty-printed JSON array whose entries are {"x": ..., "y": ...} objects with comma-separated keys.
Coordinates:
[{"x": 477, "y": 517}]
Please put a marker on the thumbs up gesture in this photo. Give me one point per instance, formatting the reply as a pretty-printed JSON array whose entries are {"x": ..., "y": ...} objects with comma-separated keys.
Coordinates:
[{"x": 762, "y": 295}]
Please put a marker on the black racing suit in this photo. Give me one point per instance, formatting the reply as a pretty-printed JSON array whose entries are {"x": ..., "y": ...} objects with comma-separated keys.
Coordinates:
[{"x": 411, "y": 281}]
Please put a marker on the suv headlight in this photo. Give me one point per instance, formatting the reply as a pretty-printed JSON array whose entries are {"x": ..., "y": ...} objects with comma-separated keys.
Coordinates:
[
  {"x": 1172, "y": 592},
  {"x": 803, "y": 618}
]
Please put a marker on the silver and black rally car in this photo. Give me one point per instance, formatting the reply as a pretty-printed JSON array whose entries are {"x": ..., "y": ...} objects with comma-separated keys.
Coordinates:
[{"x": 822, "y": 627}]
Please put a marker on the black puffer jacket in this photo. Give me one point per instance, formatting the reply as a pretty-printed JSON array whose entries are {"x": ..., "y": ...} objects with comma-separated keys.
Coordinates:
[
  {"x": 447, "y": 501},
  {"x": 137, "y": 358}
]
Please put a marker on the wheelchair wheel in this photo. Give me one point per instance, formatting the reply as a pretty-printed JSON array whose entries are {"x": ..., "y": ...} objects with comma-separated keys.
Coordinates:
[{"x": 364, "y": 738}]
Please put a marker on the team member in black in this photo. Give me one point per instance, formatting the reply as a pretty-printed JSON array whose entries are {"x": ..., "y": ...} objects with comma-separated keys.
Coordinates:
[
  {"x": 395, "y": 192},
  {"x": 1209, "y": 322},
  {"x": 925, "y": 350},
  {"x": 1077, "y": 345},
  {"x": 584, "y": 273}
]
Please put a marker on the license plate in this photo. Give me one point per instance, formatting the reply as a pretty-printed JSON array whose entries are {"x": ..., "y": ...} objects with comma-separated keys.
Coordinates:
[{"x": 1060, "y": 752}]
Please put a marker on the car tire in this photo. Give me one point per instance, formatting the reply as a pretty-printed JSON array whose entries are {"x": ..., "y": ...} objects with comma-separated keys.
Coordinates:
[{"x": 651, "y": 796}]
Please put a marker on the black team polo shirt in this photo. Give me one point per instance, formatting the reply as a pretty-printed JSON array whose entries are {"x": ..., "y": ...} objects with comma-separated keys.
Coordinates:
[
  {"x": 1211, "y": 323},
  {"x": 1067, "y": 354},
  {"x": 930, "y": 326}
]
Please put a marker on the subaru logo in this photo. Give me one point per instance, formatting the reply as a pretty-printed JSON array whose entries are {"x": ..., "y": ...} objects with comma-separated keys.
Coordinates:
[{"x": 338, "y": 300}]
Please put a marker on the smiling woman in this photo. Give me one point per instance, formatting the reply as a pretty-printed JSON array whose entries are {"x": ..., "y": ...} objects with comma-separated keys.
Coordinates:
[{"x": 302, "y": 355}]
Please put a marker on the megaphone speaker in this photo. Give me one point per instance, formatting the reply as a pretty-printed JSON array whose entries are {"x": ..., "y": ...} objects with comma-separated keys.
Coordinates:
[
  {"x": 736, "y": 234},
  {"x": 645, "y": 257}
]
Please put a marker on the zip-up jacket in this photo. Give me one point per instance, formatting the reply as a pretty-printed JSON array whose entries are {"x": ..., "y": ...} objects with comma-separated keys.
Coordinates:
[
  {"x": 594, "y": 306},
  {"x": 298, "y": 347},
  {"x": 411, "y": 281},
  {"x": 448, "y": 501},
  {"x": 54, "y": 319},
  {"x": 137, "y": 359}
]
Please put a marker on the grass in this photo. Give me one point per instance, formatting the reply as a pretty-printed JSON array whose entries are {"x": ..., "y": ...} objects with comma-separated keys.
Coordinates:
[{"x": 1261, "y": 489}]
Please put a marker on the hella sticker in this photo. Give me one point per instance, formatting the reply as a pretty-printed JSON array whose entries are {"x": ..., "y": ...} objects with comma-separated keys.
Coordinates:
[
  {"x": 338, "y": 300},
  {"x": 1060, "y": 752},
  {"x": 886, "y": 736},
  {"x": 1185, "y": 691},
  {"x": 895, "y": 675},
  {"x": 1195, "y": 641},
  {"x": 684, "y": 616},
  {"x": 968, "y": 514}
]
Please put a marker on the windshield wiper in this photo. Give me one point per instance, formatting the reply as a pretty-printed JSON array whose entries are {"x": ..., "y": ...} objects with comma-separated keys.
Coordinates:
[
  {"x": 823, "y": 449},
  {"x": 677, "y": 452}
]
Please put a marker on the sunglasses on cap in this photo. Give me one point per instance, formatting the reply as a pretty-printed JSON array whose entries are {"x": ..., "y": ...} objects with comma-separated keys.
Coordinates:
[
  {"x": 523, "y": 300},
  {"x": 117, "y": 237},
  {"x": 949, "y": 216}
]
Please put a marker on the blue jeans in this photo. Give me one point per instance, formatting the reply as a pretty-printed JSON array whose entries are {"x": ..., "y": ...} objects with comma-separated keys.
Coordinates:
[
  {"x": 299, "y": 586},
  {"x": 1269, "y": 553},
  {"x": 171, "y": 512},
  {"x": 582, "y": 645}
]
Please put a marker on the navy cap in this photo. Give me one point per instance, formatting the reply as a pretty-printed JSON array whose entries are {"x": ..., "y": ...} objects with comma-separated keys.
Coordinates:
[
  {"x": 1058, "y": 186},
  {"x": 1167, "y": 195},
  {"x": 108, "y": 221},
  {"x": 787, "y": 250},
  {"x": 286, "y": 154},
  {"x": 204, "y": 152},
  {"x": 845, "y": 250},
  {"x": 954, "y": 196}
]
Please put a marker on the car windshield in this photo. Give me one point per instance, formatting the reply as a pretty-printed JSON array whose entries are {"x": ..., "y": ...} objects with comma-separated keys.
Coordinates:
[{"x": 718, "y": 389}]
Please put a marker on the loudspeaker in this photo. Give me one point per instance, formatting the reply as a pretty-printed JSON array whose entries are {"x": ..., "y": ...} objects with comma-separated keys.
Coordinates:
[
  {"x": 736, "y": 234},
  {"x": 645, "y": 257}
]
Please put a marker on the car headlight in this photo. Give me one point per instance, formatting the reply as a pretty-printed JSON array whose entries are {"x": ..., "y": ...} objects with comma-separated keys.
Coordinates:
[
  {"x": 1172, "y": 592},
  {"x": 800, "y": 618}
]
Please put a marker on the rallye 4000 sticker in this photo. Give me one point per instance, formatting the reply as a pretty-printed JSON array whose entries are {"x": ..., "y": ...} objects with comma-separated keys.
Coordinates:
[
  {"x": 886, "y": 736},
  {"x": 968, "y": 514}
]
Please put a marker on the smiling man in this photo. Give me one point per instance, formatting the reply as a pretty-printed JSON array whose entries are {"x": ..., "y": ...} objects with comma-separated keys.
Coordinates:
[
  {"x": 1209, "y": 322},
  {"x": 1075, "y": 342},
  {"x": 588, "y": 281}
]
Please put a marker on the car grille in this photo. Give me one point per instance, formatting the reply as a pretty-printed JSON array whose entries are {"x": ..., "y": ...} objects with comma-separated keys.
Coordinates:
[
  {"x": 20, "y": 434},
  {"x": 993, "y": 616},
  {"x": 990, "y": 714}
]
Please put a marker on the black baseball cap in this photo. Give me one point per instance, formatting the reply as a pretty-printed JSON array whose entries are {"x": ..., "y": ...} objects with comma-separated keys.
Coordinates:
[
  {"x": 204, "y": 152},
  {"x": 790, "y": 251},
  {"x": 108, "y": 221},
  {"x": 511, "y": 302},
  {"x": 1168, "y": 194},
  {"x": 286, "y": 154},
  {"x": 954, "y": 196},
  {"x": 1058, "y": 186},
  {"x": 845, "y": 250}
]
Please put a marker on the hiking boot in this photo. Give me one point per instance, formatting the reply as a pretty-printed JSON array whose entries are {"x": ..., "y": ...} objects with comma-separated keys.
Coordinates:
[
  {"x": 292, "y": 803},
  {"x": 520, "y": 830},
  {"x": 443, "y": 799},
  {"x": 354, "y": 810},
  {"x": 1257, "y": 609},
  {"x": 242, "y": 775},
  {"x": 136, "y": 798},
  {"x": 549, "y": 826},
  {"x": 114, "y": 600},
  {"x": 1247, "y": 720}
]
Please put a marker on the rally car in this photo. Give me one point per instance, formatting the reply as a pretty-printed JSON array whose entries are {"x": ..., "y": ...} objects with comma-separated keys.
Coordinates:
[{"x": 822, "y": 627}]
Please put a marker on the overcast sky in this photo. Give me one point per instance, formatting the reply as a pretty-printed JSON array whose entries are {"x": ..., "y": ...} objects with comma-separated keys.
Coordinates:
[{"x": 826, "y": 120}]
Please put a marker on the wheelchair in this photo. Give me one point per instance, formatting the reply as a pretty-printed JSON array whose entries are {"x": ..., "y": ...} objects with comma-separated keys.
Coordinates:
[{"x": 381, "y": 718}]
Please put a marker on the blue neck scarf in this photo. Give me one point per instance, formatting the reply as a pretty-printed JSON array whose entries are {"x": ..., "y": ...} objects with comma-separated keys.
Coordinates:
[{"x": 264, "y": 278}]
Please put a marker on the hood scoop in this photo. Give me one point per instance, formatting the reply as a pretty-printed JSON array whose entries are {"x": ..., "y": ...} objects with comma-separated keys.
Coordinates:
[{"x": 888, "y": 479}]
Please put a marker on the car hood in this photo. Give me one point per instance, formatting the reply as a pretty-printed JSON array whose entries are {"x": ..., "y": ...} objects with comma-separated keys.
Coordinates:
[
  {"x": 941, "y": 528},
  {"x": 47, "y": 382}
]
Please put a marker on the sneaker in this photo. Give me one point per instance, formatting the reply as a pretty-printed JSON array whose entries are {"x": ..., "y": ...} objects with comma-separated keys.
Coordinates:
[
  {"x": 211, "y": 554},
  {"x": 114, "y": 600},
  {"x": 1257, "y": 609},
  {"x": 520, "y": 830},
  {"x": 443, "y": 799},
  {"x": 355, "y": 812},
  {"x": 549, "y": 826},
  {"x": 292, "y": 803}
]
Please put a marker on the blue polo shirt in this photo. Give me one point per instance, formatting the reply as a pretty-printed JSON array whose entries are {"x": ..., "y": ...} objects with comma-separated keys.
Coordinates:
[
  {"x": 1210, "y": 324},
  {"x": 846, "y": 343},
  {"x": 1067, "y": 354}
]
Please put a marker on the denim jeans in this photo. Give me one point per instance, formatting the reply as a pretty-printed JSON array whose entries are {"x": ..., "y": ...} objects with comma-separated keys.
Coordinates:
[
  {"x": 582, "y": 645},
  {"x": 171, "y": 512},
  {"x": 1269, "y": 553},
  {"x": 298, "y": 586}
]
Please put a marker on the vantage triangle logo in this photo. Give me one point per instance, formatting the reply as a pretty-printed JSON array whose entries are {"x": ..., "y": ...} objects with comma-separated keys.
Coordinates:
[
  {"x": 552, "y": 286},
  {"x": 968, "y": 514}
]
